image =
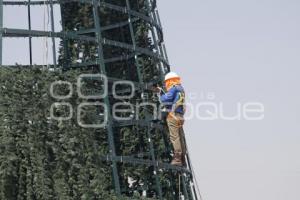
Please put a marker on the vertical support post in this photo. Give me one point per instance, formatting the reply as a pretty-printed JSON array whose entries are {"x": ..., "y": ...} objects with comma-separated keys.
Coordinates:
[
  {"x": 157, "y": 47},
  {"x": 106, "y": 99},
  {"x": 190, "y": 189},
  {"x": 192, "y": 178},
  {"x": 183, "y": 182},
  {"x": 29, "y": 28},
  {"x": 158, "y": 186},
  {"x": 151, "y": 12},
  {"x": 157, "y": 20},
  {"x": 138, "y": 67},
  {"x": 156, "y": 15},
  {"x": 141, "y": 82},
  {"x": 165, "y": 52},
  {"x": 65, "y": 42},
  {"x": 53, "y": 30},
  {"x": 1, "y": 29}
]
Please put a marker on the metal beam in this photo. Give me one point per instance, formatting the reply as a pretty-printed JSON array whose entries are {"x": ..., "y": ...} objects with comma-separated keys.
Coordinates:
[
  {"x": 99, "y": 3},
  {"x": 12, "y": 32},
  {"x": 106, "y": 99},
  {"x": 138, "y": 49},
  {"x": 156, "y": 44},
  {"x": 7, "y": 32},
  {"x": 66, "y": 56},
  {"x": 156, "y": 171},
  {"x": 29, "y": 28},
  {"x": 52, "y": 37},
  {"x": 137, "y": 161},
  {"x": 1, "y": 26},
  {"x": 25, "y": 3},
  {"x": 138, "y": 68}
]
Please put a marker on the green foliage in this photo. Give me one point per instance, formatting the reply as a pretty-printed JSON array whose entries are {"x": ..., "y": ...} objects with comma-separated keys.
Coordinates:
[{"x": 41, "y": 158}]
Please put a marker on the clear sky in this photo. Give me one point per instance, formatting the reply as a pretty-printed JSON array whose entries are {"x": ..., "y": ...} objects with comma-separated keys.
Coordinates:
[{"x": 241, "y": 51}]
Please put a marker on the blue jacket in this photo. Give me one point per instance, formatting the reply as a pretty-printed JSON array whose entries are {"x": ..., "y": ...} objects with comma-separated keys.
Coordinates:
[{"x": 174, "y": 99}]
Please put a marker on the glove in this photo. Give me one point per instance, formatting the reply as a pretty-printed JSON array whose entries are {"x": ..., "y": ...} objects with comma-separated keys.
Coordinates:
[{"x": 157, "y": 90}]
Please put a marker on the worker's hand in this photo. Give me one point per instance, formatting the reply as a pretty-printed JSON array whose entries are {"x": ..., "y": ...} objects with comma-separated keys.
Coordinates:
[{"x": 156, "y": 89}]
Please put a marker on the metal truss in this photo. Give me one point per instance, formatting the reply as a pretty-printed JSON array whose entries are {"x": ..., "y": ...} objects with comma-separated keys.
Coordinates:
[{"x": 159, "y": 55}]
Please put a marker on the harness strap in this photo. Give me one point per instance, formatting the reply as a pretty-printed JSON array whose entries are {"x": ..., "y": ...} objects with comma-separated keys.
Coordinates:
[{"x": 180, "y": 101}]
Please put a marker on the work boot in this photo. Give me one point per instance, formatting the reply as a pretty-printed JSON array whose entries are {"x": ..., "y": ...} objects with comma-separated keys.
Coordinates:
[{"x": 177, "y": 159}]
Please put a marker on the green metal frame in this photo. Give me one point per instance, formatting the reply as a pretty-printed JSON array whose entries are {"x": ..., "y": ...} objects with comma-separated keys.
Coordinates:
[
  {"x": 159, "y": 56},
  {"x": 1, "y": 33}
]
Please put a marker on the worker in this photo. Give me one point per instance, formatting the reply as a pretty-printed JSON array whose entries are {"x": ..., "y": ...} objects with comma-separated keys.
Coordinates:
[{"x": 174, "y": 101}]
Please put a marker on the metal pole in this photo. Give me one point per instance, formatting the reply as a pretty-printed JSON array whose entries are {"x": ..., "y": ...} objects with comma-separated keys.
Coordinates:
[
  {"x": 158, "y": 186},
  {"x": 106, "y": 99},
  {"x": 29, "y": 27},
  {"x": 53, "y": 30},
  {"x": 1, "y": 26},
  {"x": 65, "y": 61},
  {"x": 157, "y": 47},
  {"x": 184, "y": 183},
  {"x": 141, "y": 82},
  {"x": 138, "y": 67},
  {"x": 164, "y": 50}
]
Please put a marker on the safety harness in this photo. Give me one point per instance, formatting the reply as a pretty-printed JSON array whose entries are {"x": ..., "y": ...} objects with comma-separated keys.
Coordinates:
[{"x": 179, "y": 100}]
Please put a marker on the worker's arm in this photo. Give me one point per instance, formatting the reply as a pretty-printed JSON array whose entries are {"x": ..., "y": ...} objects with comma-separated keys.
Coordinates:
[{"x": 168, "y": 97}]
